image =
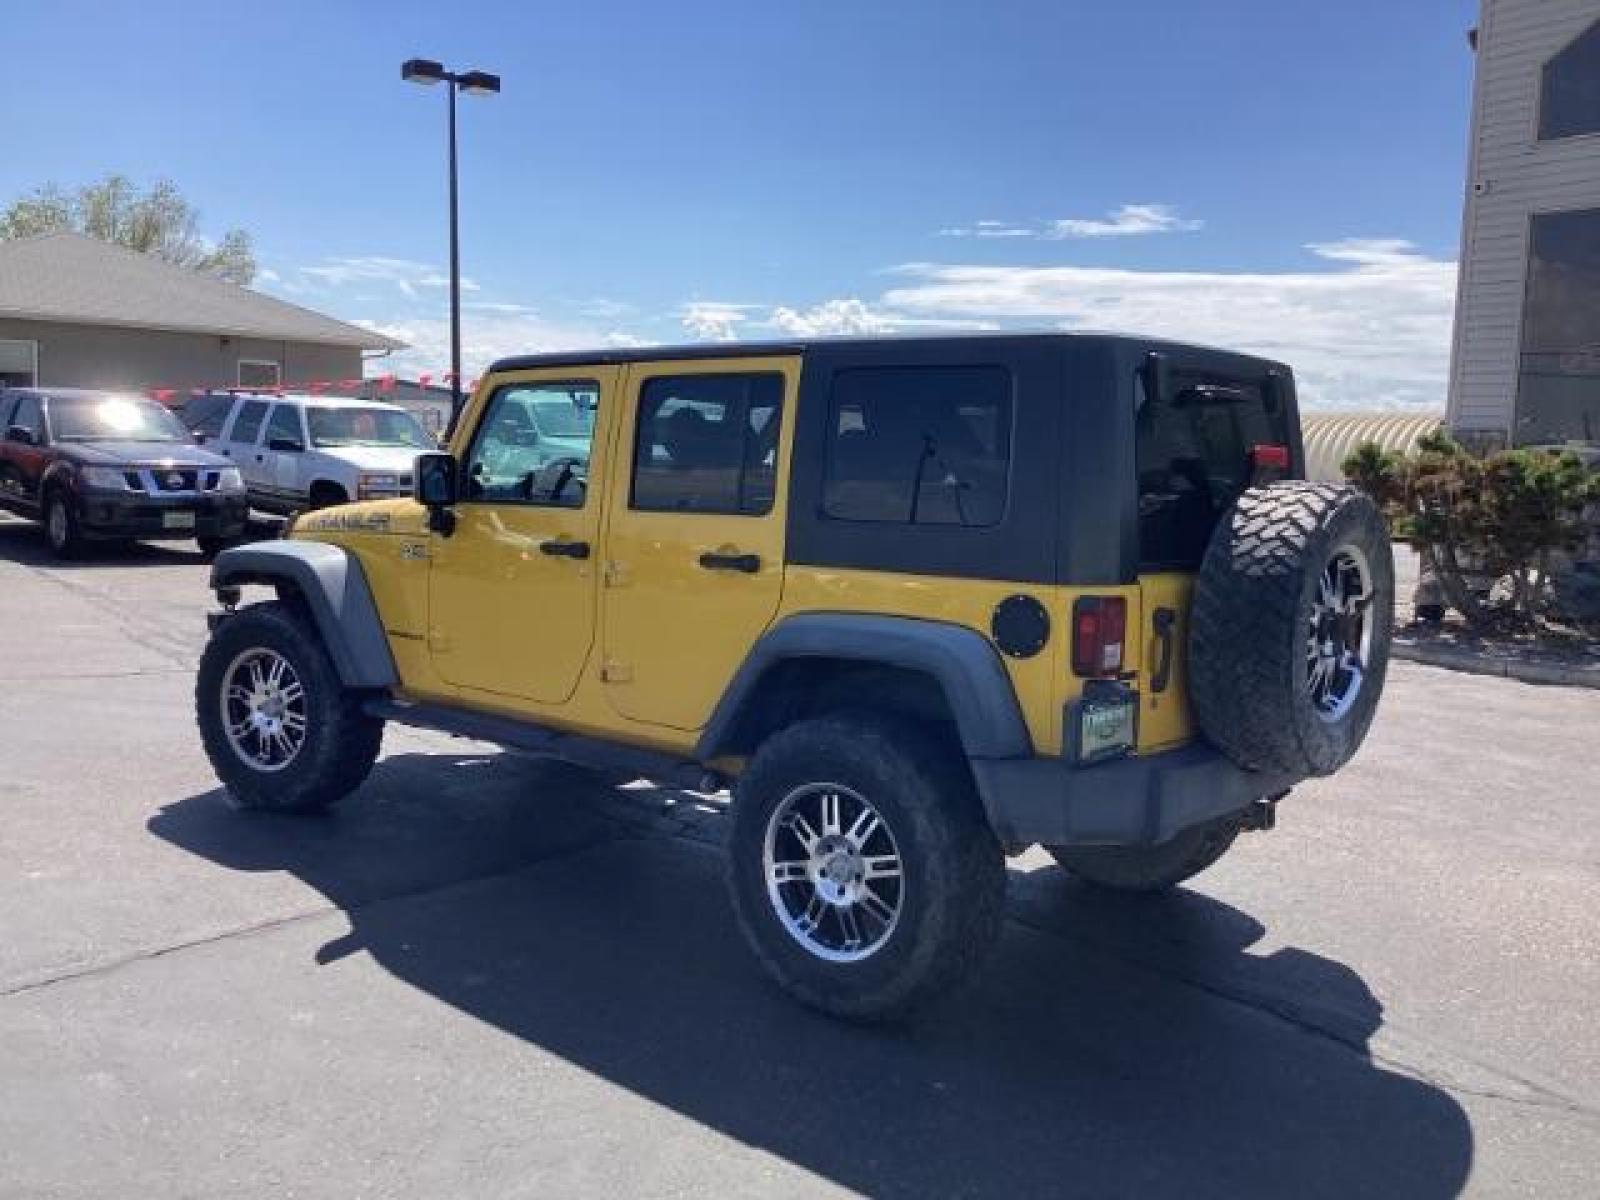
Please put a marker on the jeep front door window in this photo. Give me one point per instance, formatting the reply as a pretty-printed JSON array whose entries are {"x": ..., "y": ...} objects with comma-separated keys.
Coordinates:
[{"x": 534, "y": 444}]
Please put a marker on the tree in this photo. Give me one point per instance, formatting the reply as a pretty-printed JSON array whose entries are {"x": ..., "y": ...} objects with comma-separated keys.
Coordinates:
[{"x": 159, "y": 222}]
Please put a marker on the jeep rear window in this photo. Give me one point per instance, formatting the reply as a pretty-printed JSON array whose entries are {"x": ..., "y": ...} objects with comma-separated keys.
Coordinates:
[
  {"x": 919, "y": 445},
  {"x": 1192, "y": 448}
]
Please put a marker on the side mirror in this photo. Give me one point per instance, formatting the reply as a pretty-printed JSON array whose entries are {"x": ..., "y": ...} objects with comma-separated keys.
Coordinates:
[
  {"x": 285, "y": 446},
  {"x": 436, "y": 484},
  {"x": 18, "y": 433}
]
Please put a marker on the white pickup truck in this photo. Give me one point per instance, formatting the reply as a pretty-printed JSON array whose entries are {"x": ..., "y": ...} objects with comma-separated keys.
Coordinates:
[{"x": 301, "y": 451}]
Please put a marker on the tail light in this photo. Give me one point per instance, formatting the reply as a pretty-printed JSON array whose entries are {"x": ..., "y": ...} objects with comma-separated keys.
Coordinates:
[{"x": 1099, "y": 628}]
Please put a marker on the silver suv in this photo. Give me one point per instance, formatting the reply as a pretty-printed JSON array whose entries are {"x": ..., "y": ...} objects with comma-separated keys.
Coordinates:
[{"x": 301, "y": 451}]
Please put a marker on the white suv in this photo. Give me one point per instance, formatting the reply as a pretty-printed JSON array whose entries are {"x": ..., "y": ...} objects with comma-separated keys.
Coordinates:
[{"x": 299, "y": 451}]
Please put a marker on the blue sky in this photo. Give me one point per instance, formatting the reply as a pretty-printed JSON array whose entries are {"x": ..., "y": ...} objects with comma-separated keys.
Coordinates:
[{"x": 1283, "y": 177}]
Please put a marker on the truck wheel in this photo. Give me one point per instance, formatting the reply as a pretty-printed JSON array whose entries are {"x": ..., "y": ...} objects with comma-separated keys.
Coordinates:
[
  {"x": 1289, "y": 634},
  {"x": 1149, "y": 868},
  {"x": 61, "y": 526},
  {"x": 861, "y": 867},
  {"x": 281, "y": 731}
]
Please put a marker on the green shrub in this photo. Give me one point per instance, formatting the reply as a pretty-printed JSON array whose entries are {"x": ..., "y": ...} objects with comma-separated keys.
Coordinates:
[{"x": 1478, "y": 519}]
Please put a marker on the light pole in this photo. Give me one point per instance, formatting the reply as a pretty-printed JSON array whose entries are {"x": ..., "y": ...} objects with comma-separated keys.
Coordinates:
[{"x": 474, "y": 83}]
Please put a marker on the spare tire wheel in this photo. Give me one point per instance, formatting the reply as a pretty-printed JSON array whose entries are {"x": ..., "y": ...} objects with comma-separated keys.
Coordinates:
[{"x": 1290, "y": 628}]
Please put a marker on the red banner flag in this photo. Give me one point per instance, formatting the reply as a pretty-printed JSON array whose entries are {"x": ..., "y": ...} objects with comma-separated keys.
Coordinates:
[{"x": 386, "y": 383}]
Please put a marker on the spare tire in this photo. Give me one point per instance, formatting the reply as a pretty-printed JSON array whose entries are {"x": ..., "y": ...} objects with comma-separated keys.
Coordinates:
[{"x": 1290, "y": 627}]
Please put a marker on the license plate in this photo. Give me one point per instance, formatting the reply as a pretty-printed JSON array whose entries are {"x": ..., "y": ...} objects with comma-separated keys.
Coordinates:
[
  {"x": 177, "y": 520},
  {"x": 1105, "y": 729}
]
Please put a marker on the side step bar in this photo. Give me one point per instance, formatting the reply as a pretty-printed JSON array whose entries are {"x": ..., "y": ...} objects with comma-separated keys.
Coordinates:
[{"x": 532, "y": 738}]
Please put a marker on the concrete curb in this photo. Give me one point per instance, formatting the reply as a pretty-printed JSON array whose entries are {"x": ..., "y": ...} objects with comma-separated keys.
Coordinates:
[{"x": 1457, "y": 658}]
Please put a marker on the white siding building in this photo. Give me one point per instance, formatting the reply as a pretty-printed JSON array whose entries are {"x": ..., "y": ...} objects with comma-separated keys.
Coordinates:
[{"x": 1525, "y": 365}]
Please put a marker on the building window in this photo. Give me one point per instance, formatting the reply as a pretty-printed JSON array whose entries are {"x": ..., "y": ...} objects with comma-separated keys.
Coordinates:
[
  {"x": 1558, "y": 387},
  {"x": 708, "y": 444},
  {"x": 258, "y": 373},
  {"x": 19, "y": 363},
  {"x": 919, "y": 445},
  {"x": 1569, "y": 88}
]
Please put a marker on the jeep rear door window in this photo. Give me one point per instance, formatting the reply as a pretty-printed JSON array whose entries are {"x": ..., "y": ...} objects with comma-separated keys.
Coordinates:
[
  {"x": 919, "y": 445},
  {"x": 248, "y": 423},
  {"x": 515, "y": 456},
  {"x": 1192, "y": 448},
  {"x": 708, "y": 443}
]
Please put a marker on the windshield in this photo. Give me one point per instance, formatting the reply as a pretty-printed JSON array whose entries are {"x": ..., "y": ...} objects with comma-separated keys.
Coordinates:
[
  {"x": 366, "y": 427},
  {"x": 114, "y": 419},
  {"x": 562, "y": 418}
]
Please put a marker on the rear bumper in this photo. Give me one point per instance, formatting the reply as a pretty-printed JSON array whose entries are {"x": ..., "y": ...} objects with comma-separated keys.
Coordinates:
[
  {"x": 109, "y": 514},
  {"x": 1136, "y": 801}
]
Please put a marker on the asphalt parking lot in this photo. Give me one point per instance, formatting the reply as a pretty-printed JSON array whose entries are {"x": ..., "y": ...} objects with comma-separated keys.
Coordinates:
[{"x": 488, "y": 975}]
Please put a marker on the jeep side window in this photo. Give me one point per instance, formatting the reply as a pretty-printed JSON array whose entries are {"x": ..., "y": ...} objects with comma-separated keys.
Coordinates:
[
  {"x": 919, "y": 445},
  {"x": 248, "y": 423},
  {"x": 708, "y": 443},
  {"x": 512, "y": 462},
  {"x": 1192, "y": 450}
]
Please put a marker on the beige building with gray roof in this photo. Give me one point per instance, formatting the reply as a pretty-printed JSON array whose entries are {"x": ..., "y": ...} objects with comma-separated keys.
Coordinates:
[{"x": 77, "y": 312}]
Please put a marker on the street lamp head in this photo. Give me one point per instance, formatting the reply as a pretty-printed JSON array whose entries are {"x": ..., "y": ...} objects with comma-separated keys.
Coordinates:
[
  {"x": 423, "y": 70},
  {"x": 478, "y": 83}
]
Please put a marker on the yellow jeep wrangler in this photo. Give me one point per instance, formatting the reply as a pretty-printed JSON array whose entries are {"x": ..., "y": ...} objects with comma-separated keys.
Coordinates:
[{"x": 919, "y": 603}]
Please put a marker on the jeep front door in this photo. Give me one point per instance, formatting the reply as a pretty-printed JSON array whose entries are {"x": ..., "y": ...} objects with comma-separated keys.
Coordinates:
[
  {"x": 513, "y": 588},
  {"x": 694, "y": 553}
]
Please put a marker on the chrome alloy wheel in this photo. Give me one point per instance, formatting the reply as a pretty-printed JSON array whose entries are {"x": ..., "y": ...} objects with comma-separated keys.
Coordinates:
[
  {"x": 1339, "y": 641},
  {"x": 834, "y": 873},
  {"x": 264, "y": 709}
]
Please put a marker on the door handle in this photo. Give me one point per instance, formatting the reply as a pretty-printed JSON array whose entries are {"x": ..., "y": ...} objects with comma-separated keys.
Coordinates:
[
  {"x": 565, "y": 549},
  {"x": 748, "y": 563},
  {"x": 1163, "y": 621}
]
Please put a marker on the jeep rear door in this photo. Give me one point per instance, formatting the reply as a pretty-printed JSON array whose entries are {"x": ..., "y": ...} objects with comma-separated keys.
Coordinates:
[
  {"x": 1198, "y": 424},
  {"x": 694, "y": 552}
]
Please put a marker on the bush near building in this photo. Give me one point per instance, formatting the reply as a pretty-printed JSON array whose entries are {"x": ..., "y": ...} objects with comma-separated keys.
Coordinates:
[{"x": 1496, "y": 531}]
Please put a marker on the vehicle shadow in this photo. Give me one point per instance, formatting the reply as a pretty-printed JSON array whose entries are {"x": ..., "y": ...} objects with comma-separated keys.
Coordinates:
[
  {"x": 1071, "y": 1068},
  {"x": 23, "y": 542}
]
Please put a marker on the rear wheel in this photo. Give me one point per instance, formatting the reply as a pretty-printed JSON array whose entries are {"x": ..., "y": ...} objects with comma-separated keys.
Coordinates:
[
  {"x": 281, "y": 731},
  {"x": 1149, "y": 868},
  {"x": 861, "y": 867}
]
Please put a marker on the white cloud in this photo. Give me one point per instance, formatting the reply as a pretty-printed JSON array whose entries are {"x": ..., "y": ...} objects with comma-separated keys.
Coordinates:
[
  {"x": 1374, "y": 333},
  {"x": 404, "y": 274},
  {"x": 714, "y": 320},
  {"x": 833, "y": 318},
  {"x": 484, "y": 338},
  {"x": 268, "y": 275},
  {"x": 1130, "y": 220}
]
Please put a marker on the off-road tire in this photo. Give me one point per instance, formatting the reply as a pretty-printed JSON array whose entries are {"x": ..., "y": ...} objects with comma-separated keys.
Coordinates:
[
  {"x": 954, "y": 869},
  {"x": 62, "y": 533},
  {"x": 341, "y": 742},
  {"x": 1149, "y": 868},
  {"x": 1250, "y": 622}
]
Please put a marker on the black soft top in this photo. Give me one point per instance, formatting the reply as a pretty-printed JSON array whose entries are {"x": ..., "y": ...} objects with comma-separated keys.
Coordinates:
[{"x": 896, "y": 344}]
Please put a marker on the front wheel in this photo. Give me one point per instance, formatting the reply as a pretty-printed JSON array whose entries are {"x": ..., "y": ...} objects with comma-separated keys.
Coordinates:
[
  {"x": 862, "y": 870},
  {"x": 281, "y": 731},
  {"x": 61, "y": 526}
]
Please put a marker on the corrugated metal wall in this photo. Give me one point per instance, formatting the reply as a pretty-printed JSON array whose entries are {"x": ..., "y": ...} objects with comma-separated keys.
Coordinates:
[{"x": 1330, "y": 437}]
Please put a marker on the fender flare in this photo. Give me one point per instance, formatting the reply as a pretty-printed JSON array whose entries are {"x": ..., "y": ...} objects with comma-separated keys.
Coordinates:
[
  {"x": 336, "y": 592},
  {"x": 962, "y": 661}
]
